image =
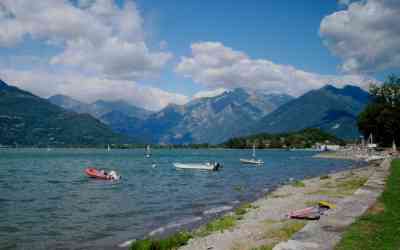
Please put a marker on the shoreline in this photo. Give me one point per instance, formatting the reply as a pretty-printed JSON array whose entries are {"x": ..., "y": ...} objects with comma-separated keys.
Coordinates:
[
  {"x": 268, "y": 212},
  {"x": 270, "y": 205}
]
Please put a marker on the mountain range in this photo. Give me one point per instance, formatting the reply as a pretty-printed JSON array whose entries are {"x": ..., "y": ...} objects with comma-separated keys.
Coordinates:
[
  {"x": 26, "y": 119},
  {"x": 233, "y": 113},
  {"x": 210, "y": 120},
  {"x": 99, "y": 108},
  {"x": 334, "y": 110},
  {"x": 202, "y": 120}
]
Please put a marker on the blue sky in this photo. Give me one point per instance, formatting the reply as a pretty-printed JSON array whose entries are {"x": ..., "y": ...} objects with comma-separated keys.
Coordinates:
[
  {"x": 285, "y": 32},
  {"x": 152, "y": 52}
]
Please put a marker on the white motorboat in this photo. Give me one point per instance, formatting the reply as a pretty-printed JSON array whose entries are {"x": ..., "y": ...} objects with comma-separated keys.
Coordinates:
[
  {"x": 212, "y": 166},
  {"x": 252, "y": 160}
]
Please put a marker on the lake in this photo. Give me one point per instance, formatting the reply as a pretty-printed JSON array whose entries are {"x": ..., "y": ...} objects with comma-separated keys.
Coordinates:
[{"x": 47, "y": 202}]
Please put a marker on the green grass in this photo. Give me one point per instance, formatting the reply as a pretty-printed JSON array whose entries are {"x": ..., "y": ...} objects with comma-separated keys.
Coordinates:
[
  {"x": 379, "y": 228},
  {"x": 221, "y": 224},
  {"x": 266, "y": 247},
  {"x": 311, "y": 203},
  {"x": 286, "y": 231},
  {"x": 352, "y": 184},
  {"x": 298, "y": 184},
  {"x": 340, "y": 189},
  {"x": 244, "y": 208},
  {"x": 171, "y": 242},
  {"x": 179, "y": 239}
]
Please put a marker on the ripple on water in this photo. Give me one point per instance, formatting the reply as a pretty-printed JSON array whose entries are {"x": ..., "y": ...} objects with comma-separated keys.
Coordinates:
[
  {"x": 3, "y": 200},
  {"x": 46, "y": 210},
  {"x": 173, "y": 225},
  {"x": 54, "y": 181},
  {"x": 217, "y": 210}
]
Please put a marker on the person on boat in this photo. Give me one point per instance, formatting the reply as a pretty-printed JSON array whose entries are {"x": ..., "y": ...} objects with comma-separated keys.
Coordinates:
[{"x": 113, "y": 175}]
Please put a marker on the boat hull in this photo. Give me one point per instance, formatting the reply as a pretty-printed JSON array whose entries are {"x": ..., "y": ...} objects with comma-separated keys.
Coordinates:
[
  {"x": 251, "y": 161},
  {"x": 94, "y": 173},
  {"x": 209, "y": 167}
]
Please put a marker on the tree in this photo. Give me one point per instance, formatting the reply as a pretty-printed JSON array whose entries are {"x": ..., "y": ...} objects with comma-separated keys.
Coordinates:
[{"x": 382, "y": 116}]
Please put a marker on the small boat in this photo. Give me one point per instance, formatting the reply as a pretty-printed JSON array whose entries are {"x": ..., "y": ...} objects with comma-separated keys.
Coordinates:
[
  {"x": 101, "y": 174},
  {"x": 108, "y": 148},
  {"x": 148, "y": 152},
  {"x": 213, "y": 166},
  {"x": 253, "y": 161}
]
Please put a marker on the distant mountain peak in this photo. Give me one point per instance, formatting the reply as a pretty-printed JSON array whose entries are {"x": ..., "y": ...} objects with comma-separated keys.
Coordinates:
[
  {"x": 329, "y": 108},
  {"x": 352, "y": 91}
]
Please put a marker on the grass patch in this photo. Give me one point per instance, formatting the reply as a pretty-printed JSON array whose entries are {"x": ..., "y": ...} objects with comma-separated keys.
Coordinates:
[
  {"x": 221, "y": 224},
  {"x": 275, "y": 234},
  {"x": 352, "y": 184},
  {"x": 286, "y": 231},
  {"x": 243, "y": 209},
  {"x": 265, "y": 247},
  {"x": 298, "y": 183},
  {"x": 327, "y": 192},
  {"x": 268, "y": 222},
  {"x": 379, "y": 227},
  {"x": 172, "y": 242},
  {"x": 311, "y": 203},
  {"x": 340, "y": 189}
]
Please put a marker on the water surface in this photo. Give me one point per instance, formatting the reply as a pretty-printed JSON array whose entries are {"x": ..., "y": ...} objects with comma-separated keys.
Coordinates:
[{"x": 48, "y": 203}]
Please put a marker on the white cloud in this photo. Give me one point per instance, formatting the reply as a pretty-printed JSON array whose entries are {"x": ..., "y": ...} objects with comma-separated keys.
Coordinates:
[
  {"x": 89, "y": 89},
  {"x": 217, "y": 66},
  {"x": 366, "y": 35},
  {"x": 96, "y": 36},
  {"x": 209, "y": 93}
]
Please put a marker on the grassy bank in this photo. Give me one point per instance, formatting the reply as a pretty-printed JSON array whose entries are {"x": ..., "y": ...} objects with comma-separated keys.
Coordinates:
[
  {"x": 379, "y": 228},
  {"x": 181, "y": 238}
]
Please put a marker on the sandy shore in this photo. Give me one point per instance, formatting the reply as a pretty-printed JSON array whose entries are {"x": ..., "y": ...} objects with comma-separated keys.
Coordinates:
[{"x": 266, "y": 224}]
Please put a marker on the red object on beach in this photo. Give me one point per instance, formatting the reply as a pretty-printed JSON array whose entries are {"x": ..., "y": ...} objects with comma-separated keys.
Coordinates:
[
  {"x": 302, "y": 212},
  {"x": 94, "y": 173}
]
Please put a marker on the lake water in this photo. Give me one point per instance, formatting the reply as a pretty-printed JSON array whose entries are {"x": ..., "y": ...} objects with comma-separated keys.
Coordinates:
[{"x": 47, "y": 202}]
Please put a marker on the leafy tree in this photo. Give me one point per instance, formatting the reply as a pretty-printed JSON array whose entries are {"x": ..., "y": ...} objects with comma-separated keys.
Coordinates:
[{"x": 381, "y": 117}]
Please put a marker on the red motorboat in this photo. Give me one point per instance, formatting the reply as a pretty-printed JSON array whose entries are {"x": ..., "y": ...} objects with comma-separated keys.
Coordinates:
[{"x": 98, "y": 174}]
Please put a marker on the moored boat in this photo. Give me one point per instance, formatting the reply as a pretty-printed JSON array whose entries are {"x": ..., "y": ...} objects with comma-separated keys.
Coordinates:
[
  {"x": 200, "y": 166},
  {"x": 101, "y": 174},
  {"x": 253, "y": 160},
  {"x": 148, "y": 152}
]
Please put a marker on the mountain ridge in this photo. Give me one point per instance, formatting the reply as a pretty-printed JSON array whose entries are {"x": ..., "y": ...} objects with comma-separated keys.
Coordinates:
[
  {"x": 26, "y": 119},
  {"x": 332, "y": 109}
]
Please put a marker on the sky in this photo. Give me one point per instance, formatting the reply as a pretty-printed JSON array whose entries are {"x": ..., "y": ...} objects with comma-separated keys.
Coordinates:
[{"x": 151, "y": 53}]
